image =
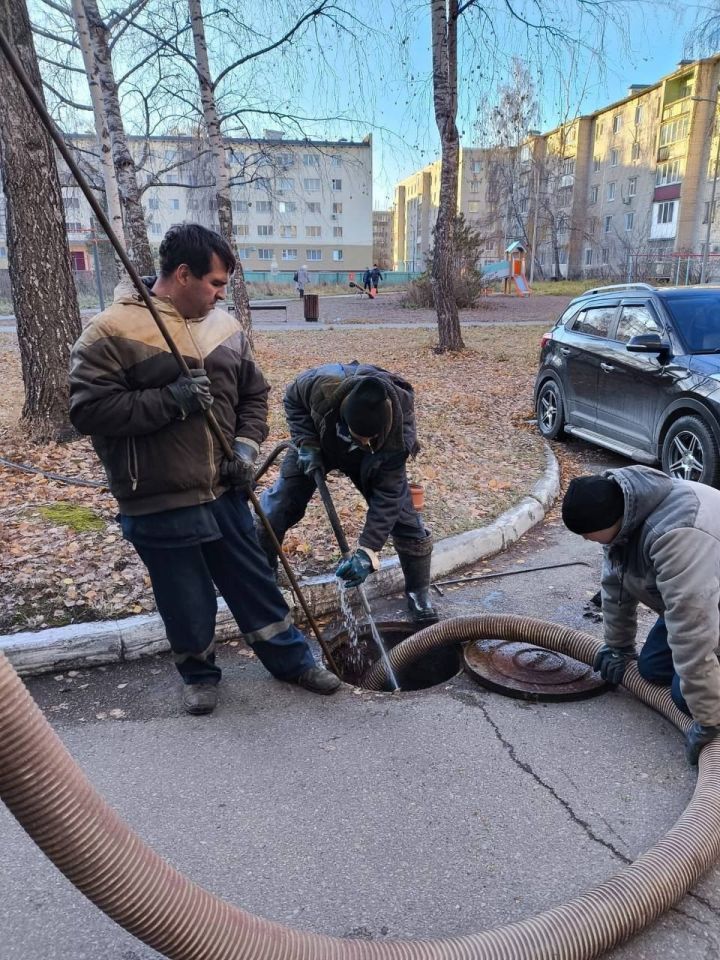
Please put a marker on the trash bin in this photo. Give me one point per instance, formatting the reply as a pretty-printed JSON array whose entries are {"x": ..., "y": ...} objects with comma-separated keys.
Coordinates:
[{"x": 311, "y": 306}]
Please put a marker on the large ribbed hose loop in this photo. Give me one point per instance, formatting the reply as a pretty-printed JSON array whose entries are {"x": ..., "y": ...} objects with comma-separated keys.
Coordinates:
[{"x": 55, "y": 803}]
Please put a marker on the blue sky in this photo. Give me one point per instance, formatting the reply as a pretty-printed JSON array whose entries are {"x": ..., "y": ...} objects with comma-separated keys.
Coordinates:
[{"x": 647, "y": 43}]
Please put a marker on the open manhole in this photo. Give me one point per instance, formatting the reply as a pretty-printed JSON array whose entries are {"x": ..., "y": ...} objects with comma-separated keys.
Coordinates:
[
  {"x": 528, "y": 672},
  {"x": 353, "y": 660}
]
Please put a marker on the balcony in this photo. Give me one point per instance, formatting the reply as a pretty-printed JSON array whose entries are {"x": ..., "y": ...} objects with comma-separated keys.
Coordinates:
[{"x": 567, "y": 180}]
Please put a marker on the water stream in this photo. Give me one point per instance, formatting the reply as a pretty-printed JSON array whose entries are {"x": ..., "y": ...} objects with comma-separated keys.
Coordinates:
[{"x": 353, "y": 633}]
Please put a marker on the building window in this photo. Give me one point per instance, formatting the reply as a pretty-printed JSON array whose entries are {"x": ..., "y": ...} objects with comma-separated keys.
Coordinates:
[
  {"x": 594, "y": 194},
  {"x": 476, "y": 166},
  {"x": 240, "y": 206},
  {"x": 614, "y": 156},
  {"x": 311, "y": 186},
  {"x": 525, "y": 154},
  {"x": 241, "y": 230},
  {"x": 336, "y": 184},
  {"x": 244, "y": 253},
  {"x": 313, "y": 231},
  {"x": 313, "y": 254},
  {"x": 632, "y": 186},
  {"x": 171, "y": 178},
  {"x": 674, "y": 130},
  {"x": 475, "y": 186},
  {"x": 286, "y": 184},
  {"x": 71, "y": 203},
  {"x": 265, "y": 253},
  {"x": 312, "y": 207},
  {"x": 337, "y": 231},
  {"x": 611, "y": 190},
  {"x": 707, "y": 210},
  {"x": 264, "y": 230},
  {"x": 288, "y": 231},
  {"x": 608, "y": 224},
  {"x": 74, "y": 226},
  {"x": 596, "y": 164},
  {"x": 635, "y": 152},
  {"x": 155, "y": 229},
  {"x": 588, "y": 256},
  {"x": 262, "y": 183},
  {"x": 286, "y": 206},
  {"x": 669, "y": 172},
  {"x": 311, "y": 160},
  {"x": 568, "y": 166},
  {"x": 638, "y": 115},
  {"x": 666, "y": 212},
  {"x": 617, "y": 123},
  {"x": 192, "y": 204},
  {"x": 153, "y": 203},
  {"x": 474, "y": 206},
  {"x": 629, "y": 218},
  {"x": 563, "y": 255},
  {"x": 337, "y": 208},
  {"x": 598, "y": 131},
  {"x": 263, "y": 206},
  {"x": 290, "y": 253},
  {"x": 174, "y": 203},
  {"x": 337, "y": 160},
  {"x": 337, "y": 255},
  {"x": 285, "y": 160},
  {"x": 605, "y": 255},
  {"x": 572, "y": 134},
  {"x": 77, "y": 260}
]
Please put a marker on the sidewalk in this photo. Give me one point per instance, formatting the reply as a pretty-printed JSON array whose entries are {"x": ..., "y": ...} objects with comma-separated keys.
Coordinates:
[{"x": 90, "y": 644}]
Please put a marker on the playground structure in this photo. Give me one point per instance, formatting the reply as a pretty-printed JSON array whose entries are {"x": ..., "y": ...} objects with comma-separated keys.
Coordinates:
[{"x": 511, "y": 270}]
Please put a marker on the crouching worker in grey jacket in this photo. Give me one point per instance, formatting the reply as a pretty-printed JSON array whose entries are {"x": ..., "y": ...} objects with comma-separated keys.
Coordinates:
[
  {"x": 358, "y": 419},
  {"x": 661, "y": 540}
]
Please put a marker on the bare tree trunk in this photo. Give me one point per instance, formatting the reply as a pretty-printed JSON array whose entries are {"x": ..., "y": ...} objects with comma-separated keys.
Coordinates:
[
  {"x": 112, "y": 196},
  {"x": 44, "y": 298},
  {"x": 136, "y": 237},
  {"x": 444, "y": 53},
  {"x": 217, "y": 147}
]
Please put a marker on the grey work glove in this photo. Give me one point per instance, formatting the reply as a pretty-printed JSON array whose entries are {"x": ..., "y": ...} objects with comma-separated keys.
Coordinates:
[
  {"x": 310, "y": 459},
  {"x": 610, "y": 662},
  {"x": 697, "y": 737},
  {"x": 191, "y": 394},
  {"x": 240, "y": 471}
]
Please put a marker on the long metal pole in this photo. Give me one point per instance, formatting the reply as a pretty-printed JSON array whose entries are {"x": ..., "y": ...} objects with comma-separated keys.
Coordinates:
[
  {"x": 57, "y": 137},
  {"x": 706, "y": 250}
]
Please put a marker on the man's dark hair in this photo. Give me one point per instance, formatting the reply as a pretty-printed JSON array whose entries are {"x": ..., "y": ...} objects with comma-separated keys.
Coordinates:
[{"x": 194, "y": 245}]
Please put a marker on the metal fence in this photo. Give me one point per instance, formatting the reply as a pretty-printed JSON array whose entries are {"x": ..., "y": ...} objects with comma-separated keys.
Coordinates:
[{"x": 677, "y": 269}]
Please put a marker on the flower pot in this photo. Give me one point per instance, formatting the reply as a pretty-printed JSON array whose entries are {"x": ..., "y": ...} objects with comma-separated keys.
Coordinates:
[{"x": 417, "y": 492}]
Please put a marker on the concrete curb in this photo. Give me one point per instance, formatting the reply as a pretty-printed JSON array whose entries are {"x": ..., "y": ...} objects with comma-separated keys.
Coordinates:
[{"x": 90, "y": 644}]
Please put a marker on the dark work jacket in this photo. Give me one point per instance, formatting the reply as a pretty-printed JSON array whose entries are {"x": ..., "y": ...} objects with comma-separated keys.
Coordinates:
[{"x": 312, "y": 407}]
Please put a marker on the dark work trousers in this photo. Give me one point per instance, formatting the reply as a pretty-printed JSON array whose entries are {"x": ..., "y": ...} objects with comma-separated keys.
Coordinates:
[
  {"x": 183, "y": 580},
  {"x": 655, "y": 663},
  {"x": 286, "y": 501}
]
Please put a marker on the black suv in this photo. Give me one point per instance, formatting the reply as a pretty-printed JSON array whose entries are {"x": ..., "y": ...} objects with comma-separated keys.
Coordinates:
[{"x": 636, "y": 368}]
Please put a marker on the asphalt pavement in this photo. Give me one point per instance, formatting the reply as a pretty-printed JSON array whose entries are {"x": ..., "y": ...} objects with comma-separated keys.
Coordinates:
[{"x": 433, "y": 813}]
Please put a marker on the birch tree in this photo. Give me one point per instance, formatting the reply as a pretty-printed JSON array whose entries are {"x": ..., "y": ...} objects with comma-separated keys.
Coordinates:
[
  {"x": 44, "y": 300},
  {"x": 444, "y": 18}
]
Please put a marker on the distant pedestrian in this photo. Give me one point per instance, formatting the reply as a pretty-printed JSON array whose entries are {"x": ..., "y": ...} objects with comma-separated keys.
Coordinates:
[
  {"x": 367, "y": 279},
  {"x": 302, "y": 279},
  {"x": 375, "y": 277}
]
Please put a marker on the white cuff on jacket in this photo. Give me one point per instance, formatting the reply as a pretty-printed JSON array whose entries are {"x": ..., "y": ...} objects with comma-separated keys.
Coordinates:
[
  {"x": 373, "y": 557},
  {"x": 249, "y": 442}
]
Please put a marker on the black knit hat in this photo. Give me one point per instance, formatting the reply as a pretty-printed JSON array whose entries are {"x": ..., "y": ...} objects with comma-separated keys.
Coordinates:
[
  {"x": 591, "y": 504},
  {"x": 365, "y": 409}
]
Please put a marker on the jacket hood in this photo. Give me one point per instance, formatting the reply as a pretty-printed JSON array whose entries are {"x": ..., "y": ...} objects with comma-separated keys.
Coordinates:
[
  {"x": 126, "y": 292},
  {"x": 643, "y": 488}
]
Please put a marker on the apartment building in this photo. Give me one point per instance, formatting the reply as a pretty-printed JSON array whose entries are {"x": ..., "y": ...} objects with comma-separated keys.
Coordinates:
[
  {"x": 620, "y": 191},
  {"x": 417, "y": 198},
  {"x": 382, "y": 238},
  {"x": 294, "y": 202}
]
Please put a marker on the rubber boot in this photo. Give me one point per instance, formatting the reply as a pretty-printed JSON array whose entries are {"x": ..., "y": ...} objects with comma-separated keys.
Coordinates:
[{"x": 415, "y": 557}]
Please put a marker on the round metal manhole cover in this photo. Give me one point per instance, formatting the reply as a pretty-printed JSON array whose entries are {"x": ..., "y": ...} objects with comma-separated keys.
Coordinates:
[{"x": 531, "y": 673}]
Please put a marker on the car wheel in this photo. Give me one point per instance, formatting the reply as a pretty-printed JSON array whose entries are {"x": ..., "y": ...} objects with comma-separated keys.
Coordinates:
[
  {"x": 550, "y": 410},
  {"x": 690, "y": 452}
]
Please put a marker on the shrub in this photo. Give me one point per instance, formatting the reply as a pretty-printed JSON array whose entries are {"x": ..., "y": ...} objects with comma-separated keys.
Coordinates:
[{"x": 468, "y": 288}]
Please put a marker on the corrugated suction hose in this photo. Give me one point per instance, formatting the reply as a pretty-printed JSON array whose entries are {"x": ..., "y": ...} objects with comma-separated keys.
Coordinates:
[{"x": 55, "y": 803}]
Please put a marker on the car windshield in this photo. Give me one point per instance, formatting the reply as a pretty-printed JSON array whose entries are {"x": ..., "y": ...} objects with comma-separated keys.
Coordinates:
[{"x": 697, "y": 320}]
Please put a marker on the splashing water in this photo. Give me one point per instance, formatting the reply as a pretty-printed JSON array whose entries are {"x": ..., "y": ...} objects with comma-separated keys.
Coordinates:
[{"x": 353, "y": 631}]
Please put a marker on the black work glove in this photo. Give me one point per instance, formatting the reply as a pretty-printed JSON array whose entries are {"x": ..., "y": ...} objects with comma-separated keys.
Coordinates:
[
  {"x": 610, "y": 662},
  {"x": 191, "y": 394},
  {"x": 698, "y": 736},
  {"x": 355, "y": 569},
  {"x": 240, "y": 471},
  {"x": 310, "y": 459}
]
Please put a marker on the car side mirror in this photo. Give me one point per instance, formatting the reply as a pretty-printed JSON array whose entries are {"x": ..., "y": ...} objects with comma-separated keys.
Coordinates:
[{"x": 647, "y": 343}]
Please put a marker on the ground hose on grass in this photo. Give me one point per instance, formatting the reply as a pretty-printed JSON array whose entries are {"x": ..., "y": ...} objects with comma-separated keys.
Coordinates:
[{"x": 69, "y": 820}]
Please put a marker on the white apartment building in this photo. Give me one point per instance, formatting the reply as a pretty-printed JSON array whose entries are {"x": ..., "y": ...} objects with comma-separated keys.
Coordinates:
[{"x": 294, "y": 202}]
